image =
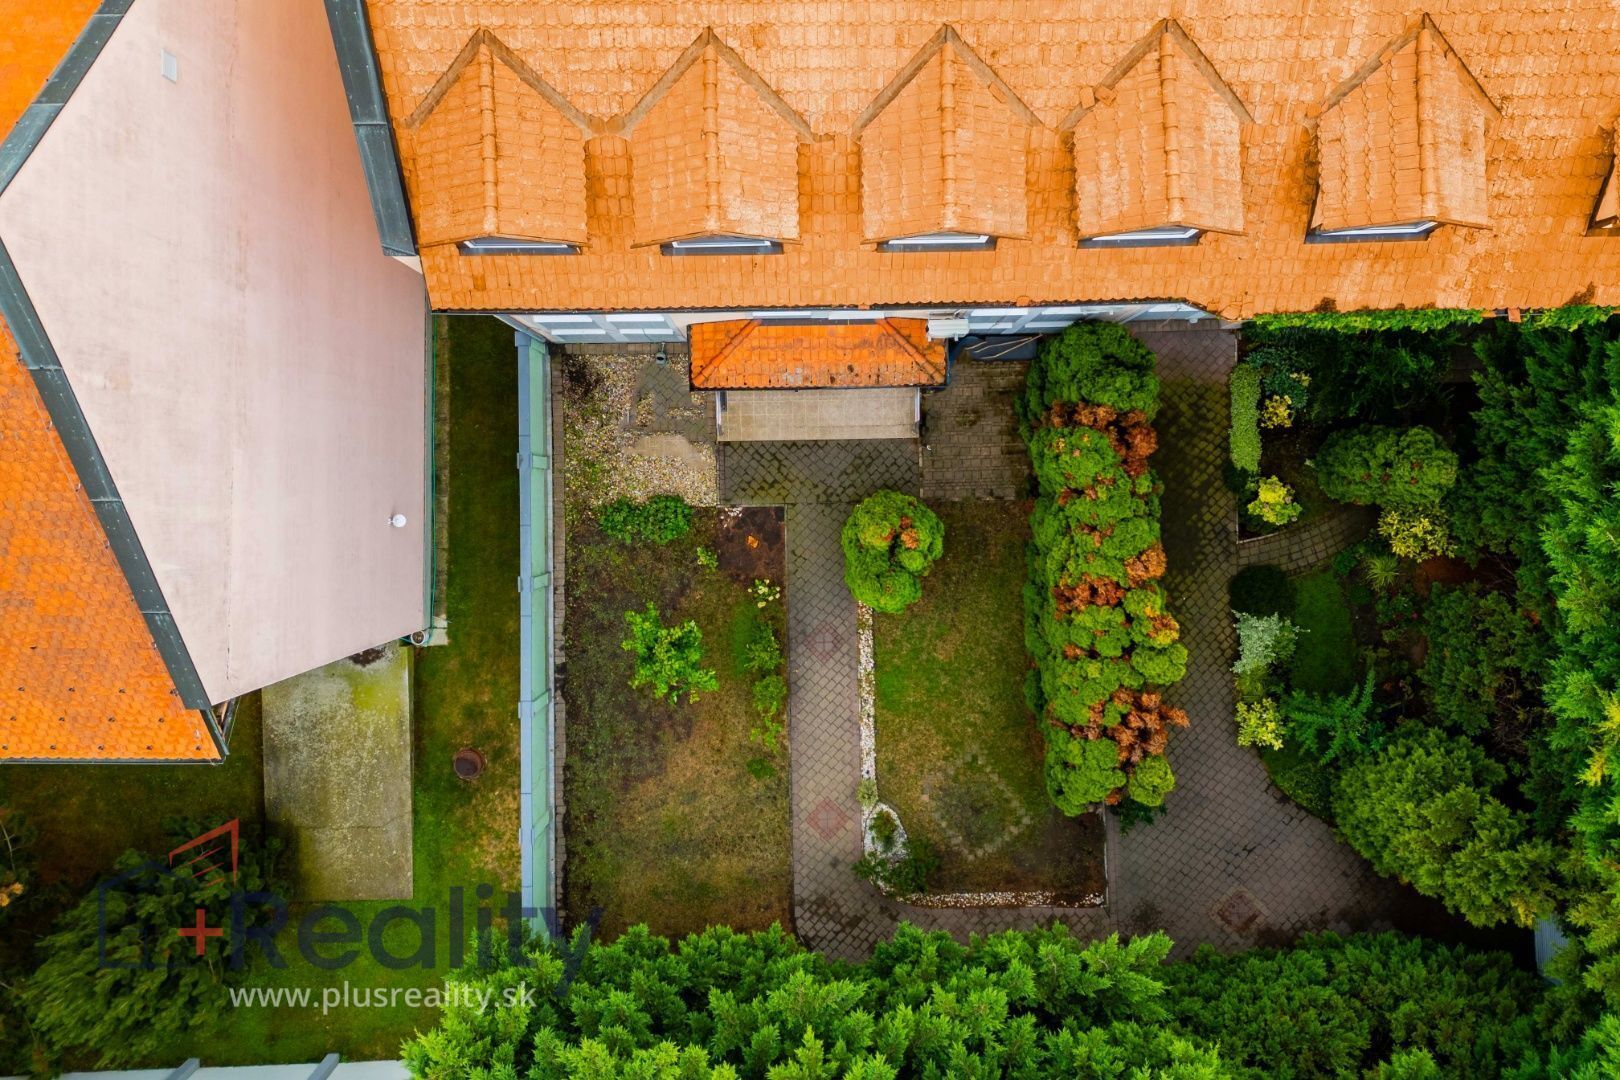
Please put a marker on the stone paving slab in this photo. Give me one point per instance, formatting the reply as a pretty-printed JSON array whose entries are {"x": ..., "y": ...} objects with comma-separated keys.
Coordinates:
[
  {"x": 830, "y": 473},
  {"x": 971, "y": 448},
  {"x": 337, "y": 776}
]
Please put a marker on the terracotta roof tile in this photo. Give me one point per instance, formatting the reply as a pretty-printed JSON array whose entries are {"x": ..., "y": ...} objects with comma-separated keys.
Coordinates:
[
  {"x": 1161, "y": 145},
  {"x": 496, "y": 151},
  {"x": 714, "y": 152},
  {"x": 1553, "y": 69},
  {"x": 1405, "y": 140},
  {"x": 943, "y": 149},
  {"x": 80, "y": 678},
  {"x": 746, "y": 354}
]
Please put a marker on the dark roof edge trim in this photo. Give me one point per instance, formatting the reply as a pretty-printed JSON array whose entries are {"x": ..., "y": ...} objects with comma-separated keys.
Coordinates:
[
  {"x": 379, "y": 157},
  {"x": 41, "y": 112},
  {"x": 39, "y": 357}
]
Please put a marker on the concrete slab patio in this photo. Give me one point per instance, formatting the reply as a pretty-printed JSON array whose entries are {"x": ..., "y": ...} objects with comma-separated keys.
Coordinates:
[{"x": 337, "y": 776}]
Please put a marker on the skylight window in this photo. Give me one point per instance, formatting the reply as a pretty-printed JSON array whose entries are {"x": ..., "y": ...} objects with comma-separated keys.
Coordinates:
[
  {"x": 1411, "y": 230},
  {"x": 941, "y": 241},
  {"x": 722, "y": 245},
  {"x": 1161, "y": 236},
  {"x": 501, "y": 245}
]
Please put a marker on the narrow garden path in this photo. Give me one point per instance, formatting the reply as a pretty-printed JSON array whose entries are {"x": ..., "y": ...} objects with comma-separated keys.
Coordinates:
[{"x": 1233, "y": 862}]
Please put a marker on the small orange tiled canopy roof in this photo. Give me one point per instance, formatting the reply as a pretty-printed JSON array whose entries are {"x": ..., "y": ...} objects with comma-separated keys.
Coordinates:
[
  {"x": 1158, "y": 143},
  {"x": 747, "y": 354},
  {"x": 1403, "y": 140}
]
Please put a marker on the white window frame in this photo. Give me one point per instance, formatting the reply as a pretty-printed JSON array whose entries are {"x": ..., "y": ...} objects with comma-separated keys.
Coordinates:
[
  {"x": 1409, "y": 230},
  {"x": 1158, "y": 236},
  {"x": 722, "y": 245},
  {"x": 940, "y": 241},
  {"x": 505, "y": 245}
]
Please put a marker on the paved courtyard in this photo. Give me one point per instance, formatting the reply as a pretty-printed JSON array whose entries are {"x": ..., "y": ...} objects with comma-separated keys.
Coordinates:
[{"x": 1233, "y": 862}]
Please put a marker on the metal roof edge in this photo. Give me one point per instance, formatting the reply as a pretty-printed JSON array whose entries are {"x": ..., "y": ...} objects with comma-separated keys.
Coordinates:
[
  {"x": 379, "y": 156},
  {"x": 39, "y": 357}
]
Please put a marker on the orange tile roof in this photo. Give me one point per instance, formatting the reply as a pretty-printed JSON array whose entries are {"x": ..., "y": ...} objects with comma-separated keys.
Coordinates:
[
  {"x": 80, "y": 677},
  {"x": 1404, "y": 139},
  {"x": 746, "y": 354},
  {"x": 714, "y": 151},
  {"x": 1160, "y": 143},
  {"x": 495, "y": 151},
  {"x": 943, "y": 148},
  {"x": 1553, "y": 69}
]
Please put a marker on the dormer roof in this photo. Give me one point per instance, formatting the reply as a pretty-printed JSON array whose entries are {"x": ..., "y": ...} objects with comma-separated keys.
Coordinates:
[
  {"x": 1403, "y": 139},
  {"x": 943, "y": 149},
  {"x": 1158, "y": 142}
]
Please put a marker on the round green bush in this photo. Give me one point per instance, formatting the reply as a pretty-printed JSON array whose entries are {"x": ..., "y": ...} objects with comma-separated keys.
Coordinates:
[
  {"x": 1402, "y": 468},
  {"x": 1151, "y": 781},
  {"x": 1262, "y": 590},
  {"x": 891, "y": 540}
]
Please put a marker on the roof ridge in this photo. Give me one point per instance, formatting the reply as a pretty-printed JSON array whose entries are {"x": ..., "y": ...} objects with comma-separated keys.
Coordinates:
[
  {"x": 745, "y": 329},
  {"x": 1165, "y": 28},
  {"x": 1170, "y": 118},
  {"x": 945, "y": 35},
  {"x": 485, "y": 40},
  {"x": 1399, "y": 43},
  {"x": 488, "y": 152},
  {"x": 913, "y": 353},
  {"x": 706, "y": 42}
]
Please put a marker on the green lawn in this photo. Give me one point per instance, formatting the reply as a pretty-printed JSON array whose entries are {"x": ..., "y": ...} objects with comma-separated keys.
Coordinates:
[
  {"x": 666, "y": 823},
  {"x": 466, "y": 694},
  {"x": 1325, "y": 658},
  {"x": 959, "y": 756}
]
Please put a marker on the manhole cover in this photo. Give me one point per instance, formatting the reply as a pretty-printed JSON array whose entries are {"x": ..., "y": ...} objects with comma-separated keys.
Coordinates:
[
  {"x": 1239, "y": 911},
  {"x": 469, "y": 763}
]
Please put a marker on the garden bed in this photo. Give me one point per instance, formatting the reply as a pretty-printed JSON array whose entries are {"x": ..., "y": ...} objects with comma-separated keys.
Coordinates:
[
  {"x": 959, "y": 756},
  {"x": 676, "y": 817}
]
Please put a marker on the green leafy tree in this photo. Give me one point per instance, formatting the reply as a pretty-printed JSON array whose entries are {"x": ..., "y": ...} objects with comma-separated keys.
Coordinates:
[
  {"x": 1484, "y": 657},
  {"x": 668, "y": 658},
  {"x": 1334, "y": 727},
  {"x": 1396, "y": 468},
  {"x": 1422, "y": 808},
  {"x": 890, "y": 542},
  {"x": 1364, "y": 365},
  {"x": 1333, "y": 1006},
  {"x": 118, "y": 983},
  {"x": 1033, "y": 1004},
  {"x": 1532, "y": 386},
  {"x": 1094, "y": 362}
]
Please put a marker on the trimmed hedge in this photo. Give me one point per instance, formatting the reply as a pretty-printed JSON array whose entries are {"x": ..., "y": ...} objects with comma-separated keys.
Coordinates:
[
  {"x": 1244, "y": 386},
  {"x": 1096, "y": 620}
]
